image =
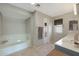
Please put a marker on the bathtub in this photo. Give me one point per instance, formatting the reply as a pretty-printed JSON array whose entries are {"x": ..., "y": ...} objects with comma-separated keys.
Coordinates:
[
  {"x": 14, "y": 44},
  {"x": 6, "y": 50}
]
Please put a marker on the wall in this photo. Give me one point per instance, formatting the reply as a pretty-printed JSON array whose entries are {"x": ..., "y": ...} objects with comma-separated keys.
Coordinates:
[
  {"x": 14, "y": 24},
  {"x": 40, "y": 19},
  {"x": 66, "y": 18}
]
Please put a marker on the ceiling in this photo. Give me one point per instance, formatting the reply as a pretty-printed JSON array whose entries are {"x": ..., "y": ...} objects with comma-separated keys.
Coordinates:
[
  {"x": 51, "y": 9},
  {"x": 12, "y": 13},
  {"x": 26, "y": 6}
]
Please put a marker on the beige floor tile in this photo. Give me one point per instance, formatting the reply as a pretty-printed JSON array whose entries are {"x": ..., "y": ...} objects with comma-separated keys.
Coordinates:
[{"x": 35, "y": 51}]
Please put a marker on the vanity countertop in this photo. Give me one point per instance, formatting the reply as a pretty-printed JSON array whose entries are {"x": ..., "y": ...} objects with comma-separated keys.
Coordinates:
[{"x": 67, "y": 43}]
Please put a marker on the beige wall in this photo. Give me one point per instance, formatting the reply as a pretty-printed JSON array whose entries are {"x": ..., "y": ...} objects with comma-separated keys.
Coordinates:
[{"x": 40, "y": 19}]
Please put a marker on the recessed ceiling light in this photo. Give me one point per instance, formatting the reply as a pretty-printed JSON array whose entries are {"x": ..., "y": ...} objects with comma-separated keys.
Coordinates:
[
  {"x": 33, "y": 3},
  {"x": 18, "y": 40}
]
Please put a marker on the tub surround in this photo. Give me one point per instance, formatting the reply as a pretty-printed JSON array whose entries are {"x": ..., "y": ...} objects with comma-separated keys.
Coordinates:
[{"x": 67, "y": 45}]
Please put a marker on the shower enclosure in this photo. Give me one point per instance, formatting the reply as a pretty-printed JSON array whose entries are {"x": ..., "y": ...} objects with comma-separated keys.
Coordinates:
[{"x": 15, "y": 29}]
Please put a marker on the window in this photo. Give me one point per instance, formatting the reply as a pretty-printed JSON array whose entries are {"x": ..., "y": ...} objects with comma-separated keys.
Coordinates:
[
  {"x": 58, "y": 25},
  {"x": 73, "y": 25},
  {"x": 58, "y": 28}
]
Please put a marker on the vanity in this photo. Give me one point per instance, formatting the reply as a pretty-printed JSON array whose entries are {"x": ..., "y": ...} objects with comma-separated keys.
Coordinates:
[{"x": 67, "y": 45}]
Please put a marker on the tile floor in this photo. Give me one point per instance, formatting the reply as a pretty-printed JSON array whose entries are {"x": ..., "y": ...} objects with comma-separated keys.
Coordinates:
[{"x": 35, "y": 51}]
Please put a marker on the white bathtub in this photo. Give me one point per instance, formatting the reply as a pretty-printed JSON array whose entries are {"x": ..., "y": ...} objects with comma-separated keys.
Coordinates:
[
  {"x": 6, "y": 50},
  {"x": 13, "y": 44}
]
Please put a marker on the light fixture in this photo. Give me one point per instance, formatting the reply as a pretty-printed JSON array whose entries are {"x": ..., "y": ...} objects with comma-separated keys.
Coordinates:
[
  {"x": 37, "y": 5},
  {"x": 33, "y": 3},
  {"x": 75, "y": 9},
  {"x": 18, "y": 40}
]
